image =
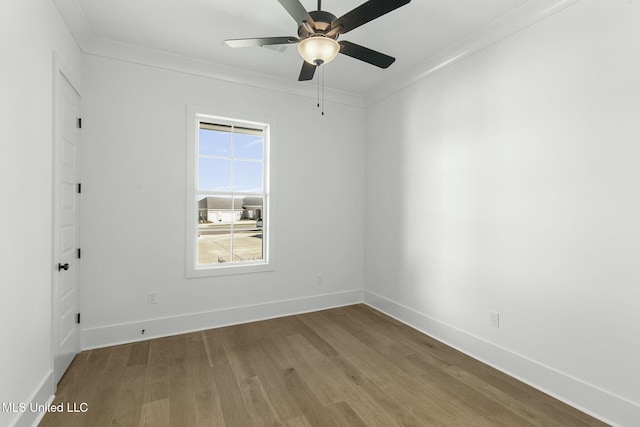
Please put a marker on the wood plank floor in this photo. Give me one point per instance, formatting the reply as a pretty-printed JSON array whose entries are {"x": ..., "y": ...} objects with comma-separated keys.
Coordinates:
[{"x": 350, "y": 366}]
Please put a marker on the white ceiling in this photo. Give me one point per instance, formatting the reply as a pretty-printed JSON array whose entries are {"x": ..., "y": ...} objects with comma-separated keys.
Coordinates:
[{"x": 196, "y": 30}]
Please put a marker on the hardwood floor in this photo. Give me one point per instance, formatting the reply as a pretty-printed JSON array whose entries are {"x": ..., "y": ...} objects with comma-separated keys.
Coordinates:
[{"x": 350, "y": 366}]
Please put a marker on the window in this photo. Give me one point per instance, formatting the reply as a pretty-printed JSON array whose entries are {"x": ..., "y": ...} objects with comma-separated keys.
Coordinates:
[{"x": 228, "y": 202}]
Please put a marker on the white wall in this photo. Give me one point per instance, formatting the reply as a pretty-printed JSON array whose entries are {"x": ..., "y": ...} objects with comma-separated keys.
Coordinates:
[
  {"x": 30, "y": 30},
  {"x": 134, "y": 137},
  {"x": 516, "y": 175}
]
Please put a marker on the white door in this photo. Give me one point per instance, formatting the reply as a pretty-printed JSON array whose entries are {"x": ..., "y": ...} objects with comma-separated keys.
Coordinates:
[{"x": 66, "y": 214}]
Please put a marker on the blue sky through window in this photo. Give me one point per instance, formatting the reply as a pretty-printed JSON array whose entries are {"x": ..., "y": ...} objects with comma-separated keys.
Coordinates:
[
  {"x": 221, "y": 152},
  {"x": 214, "y": 143}
]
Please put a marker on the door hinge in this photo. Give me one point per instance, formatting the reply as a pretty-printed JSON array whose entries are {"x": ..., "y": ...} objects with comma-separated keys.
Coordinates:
[
  {"x": 79, "y": 188},
  {"x": 78, "y": 318},
  {"x": 79, "y": 253},
  {"x": 79, "y": 122}
]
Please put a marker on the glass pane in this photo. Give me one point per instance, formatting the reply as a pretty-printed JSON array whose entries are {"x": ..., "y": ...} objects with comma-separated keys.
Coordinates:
[
  {"x": 214, "y": 174},
  {"x": 214, "y": 143},
  {"x": 247, "y": 176},
  {"x": 248, "y": 241},
  {"x": 214, "y": 247},
  {"x": 247, "y": 146},
  {"x": 247, "y": 244},
  {"x": 252, "y": 208},
  {"x": 218, "y": 210}
]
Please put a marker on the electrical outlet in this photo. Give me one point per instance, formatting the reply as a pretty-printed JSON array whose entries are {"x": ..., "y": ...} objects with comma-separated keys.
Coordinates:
[
  {"x": 494, "y": 319},
  {"x": 319, "y": 279},
  {"x": 152, "y": 298}
]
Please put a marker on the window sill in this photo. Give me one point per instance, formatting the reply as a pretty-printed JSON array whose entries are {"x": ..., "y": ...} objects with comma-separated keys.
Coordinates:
[{"x": 228, "y": 270}]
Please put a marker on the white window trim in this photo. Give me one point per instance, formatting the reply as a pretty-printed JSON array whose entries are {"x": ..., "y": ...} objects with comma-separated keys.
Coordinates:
[{"x": 195, "y": 115}]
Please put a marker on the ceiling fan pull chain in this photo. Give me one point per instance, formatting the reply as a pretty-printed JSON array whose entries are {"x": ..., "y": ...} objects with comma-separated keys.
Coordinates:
[
  {"x": 318, "y": 67},
  {"x": 322, "y": 76},
  {"x": 321, "y": 88}
]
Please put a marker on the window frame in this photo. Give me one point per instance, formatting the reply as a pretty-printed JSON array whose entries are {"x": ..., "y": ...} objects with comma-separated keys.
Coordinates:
[{"x": 195, "y": 116}]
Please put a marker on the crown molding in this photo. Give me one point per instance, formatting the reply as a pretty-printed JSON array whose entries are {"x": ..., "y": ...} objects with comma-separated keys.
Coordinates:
[
  {"x": 513, "y": 22},
  {"x": 163, "y": 60},
  {"x": 76, "y": 21},
  {"x": 504, "y": 27},
  {"x": 90, "y": 44}
]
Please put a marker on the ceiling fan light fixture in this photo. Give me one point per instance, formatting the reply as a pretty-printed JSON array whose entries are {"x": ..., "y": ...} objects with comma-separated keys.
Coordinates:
[{"x": 318, "y": 50}]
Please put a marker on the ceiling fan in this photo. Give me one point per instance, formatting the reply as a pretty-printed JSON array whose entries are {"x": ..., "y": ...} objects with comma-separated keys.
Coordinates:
[{"x": 319, "y": 30}]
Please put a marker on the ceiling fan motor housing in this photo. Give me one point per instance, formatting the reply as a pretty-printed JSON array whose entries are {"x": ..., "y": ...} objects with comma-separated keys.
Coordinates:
[{"x": 323, "y": 20}]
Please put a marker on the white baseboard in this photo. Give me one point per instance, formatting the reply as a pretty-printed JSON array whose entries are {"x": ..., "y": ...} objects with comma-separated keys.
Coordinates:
[
  {"x": 612, "y": 409},
  {"x": 42, "y": 395},
  {"x": 166, "y": 326}
]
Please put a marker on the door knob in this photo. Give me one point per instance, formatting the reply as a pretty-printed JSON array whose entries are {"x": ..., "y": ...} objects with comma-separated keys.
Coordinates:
[{"x": 64, "y": 267}]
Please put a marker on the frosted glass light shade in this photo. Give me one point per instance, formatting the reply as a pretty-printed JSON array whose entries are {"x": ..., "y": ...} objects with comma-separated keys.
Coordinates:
[{"x": 318, "y": 50}]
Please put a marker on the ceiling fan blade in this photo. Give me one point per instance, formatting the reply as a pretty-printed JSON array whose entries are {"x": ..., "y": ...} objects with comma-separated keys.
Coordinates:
[
  {"x": 307, "y": 72},
  {"x": 365, "y": 54},
  {"x": 261, "y": 41},
  {"x": 297, "y": 11},
  {"x": 364, "y": 13}
]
